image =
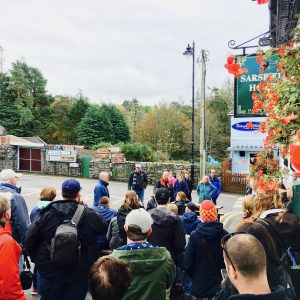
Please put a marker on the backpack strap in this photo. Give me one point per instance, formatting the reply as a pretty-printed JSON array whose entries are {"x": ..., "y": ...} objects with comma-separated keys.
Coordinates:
[
  {"x": 78, "y": 213},
  {"x": 212, "y": 263},
  {"x": 273, "y": 232}
]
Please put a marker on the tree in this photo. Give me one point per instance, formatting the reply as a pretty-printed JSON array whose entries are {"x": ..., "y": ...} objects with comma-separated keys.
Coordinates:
[
  {"x": 120, "y": 128},
  {"x": 219, "y": 104},
  {"x": 95, "y": 127}
]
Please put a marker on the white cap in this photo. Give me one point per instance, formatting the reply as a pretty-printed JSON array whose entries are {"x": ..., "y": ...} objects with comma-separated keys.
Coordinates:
[
  {"x": 139, "y": 217},
  {"x": 7, "y": 174},
  {"x": 138, "y": 166}
]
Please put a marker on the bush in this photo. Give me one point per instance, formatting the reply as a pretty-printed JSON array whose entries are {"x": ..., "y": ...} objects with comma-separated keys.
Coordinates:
[
  {"x": 102, "y": 145},
  {"x": 138, "y": 152}
]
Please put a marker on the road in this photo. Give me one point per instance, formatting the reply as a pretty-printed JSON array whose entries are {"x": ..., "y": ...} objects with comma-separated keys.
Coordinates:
[{"x": 33, "y": 184}]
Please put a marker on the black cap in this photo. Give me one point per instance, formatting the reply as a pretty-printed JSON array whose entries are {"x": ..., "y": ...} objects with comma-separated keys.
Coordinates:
[
  {"x": 193, "y": 207},
  {"x": 162, "y": 196}
]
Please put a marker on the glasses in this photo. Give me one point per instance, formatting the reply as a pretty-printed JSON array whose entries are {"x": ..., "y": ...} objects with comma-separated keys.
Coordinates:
[{"x": 224, "y": 241}]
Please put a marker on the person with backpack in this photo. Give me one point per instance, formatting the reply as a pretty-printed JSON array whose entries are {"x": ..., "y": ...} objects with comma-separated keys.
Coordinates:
[
  {"x": 203, "y": 258},
  {"x": 64, "y": 270}
]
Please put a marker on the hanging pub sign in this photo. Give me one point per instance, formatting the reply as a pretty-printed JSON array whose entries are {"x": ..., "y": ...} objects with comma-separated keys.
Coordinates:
[{"x": 247, "y": 83}]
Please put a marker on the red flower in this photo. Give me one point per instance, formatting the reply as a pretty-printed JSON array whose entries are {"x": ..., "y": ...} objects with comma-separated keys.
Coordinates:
[
  {"x": 279, "y": 67},
  {"x": 262, "y": 1},
  {"x": 292, "y": 44},
  {"x": 259, "y": 59},
  {"x": 288, "y": 119},
  {"x": 282, "y": 49},
  {"x": 261, "y": 69},
  {"x": 249, "y": 125},
  {"x": 262, "y": 127},
  {"x": 230, "y": 59},
  {"x": 260, "y": 173}
]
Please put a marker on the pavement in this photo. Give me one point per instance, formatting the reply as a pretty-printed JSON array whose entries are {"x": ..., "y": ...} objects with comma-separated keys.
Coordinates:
[{"x": 32, "y": 185}]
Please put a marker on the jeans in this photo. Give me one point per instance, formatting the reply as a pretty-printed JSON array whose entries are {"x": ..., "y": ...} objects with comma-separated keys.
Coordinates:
[
  {"x": 36, "y": 279},
  {"x": 140, "y": 194},
  {"x": 63, "y": 290}
]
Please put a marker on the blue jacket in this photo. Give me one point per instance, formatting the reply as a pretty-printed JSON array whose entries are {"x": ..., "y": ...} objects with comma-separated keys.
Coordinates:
[
  {"x": 35, "y": 212},
  {"x": 205, "y": 191},
  {"x": 190, "y": 221},
  {"x": 19, "y": 212},
  {"x": 197, "y": 262},
  {"x": 107, "y": 213},
  {"x": 180, "y": 186},
  {"x": 100, "y": 191},
  {"x": 217, "y": 183}
]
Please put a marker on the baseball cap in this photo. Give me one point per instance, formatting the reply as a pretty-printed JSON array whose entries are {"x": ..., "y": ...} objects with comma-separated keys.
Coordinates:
[
  {"x": 71, "y": 186},
  {"x": 138, "y": 166},
  {"x": 193, "y": 207},
  {"x": 8, "y": 174},
  {"x": 162, "y": 195},
  {"x": 208, "y": 211},
  {"x": 139, "y": 217}
]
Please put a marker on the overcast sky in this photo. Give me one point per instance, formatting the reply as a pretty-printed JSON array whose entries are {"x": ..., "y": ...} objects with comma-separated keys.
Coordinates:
[{"x": 120, "y": 49}]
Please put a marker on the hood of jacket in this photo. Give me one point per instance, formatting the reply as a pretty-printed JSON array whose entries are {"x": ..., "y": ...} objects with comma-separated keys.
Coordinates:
[
  {"x": 189, "y": 217},
  {"x": 163, "y": 217},
  {"x": 6, "y": 229},
  {"x": 209, "y": 230},
  {"x": 143, "y": 261},
  {"x": 106, "y": 212}
]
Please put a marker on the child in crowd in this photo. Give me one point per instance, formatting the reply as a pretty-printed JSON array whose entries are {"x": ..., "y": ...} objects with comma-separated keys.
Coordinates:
[
  {"x": 190, "y": 218},
  {"x": 181, "y": 202},
  {"x": 180, "y": 185},
  {"x": 152, "y": 203},
  {"x": 173, "y": 208},
  {"x": 47, "y": 195},
  {"x": 104, "y": 210}
]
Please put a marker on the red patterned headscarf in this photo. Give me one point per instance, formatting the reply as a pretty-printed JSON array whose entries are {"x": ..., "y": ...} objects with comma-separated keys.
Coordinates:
[{"x": 208, "y": 211}]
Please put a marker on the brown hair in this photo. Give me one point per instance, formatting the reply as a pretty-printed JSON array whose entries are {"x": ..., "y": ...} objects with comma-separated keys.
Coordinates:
[
  {"x": 265, "y": 200},
  {"x": 109, "y": 278},
  {"x": 134, "y": 232},
  {"x": 173, "y": 207},
  {"x": 104, "y": 200},
  {"x": 48, "y": 193},
  {"x": 248, "y": 205},
  {"x": 181, "y": 195},
  {"x": 131, "y": 200}
]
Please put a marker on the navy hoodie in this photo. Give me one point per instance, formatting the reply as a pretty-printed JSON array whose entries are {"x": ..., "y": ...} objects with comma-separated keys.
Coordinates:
[
  {"x": 190, "y": 221},
  {"x": 197, "y": 262}
]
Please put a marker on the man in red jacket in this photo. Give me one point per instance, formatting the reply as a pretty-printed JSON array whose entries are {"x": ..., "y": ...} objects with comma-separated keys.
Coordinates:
[{"x": 10, "y": 251}]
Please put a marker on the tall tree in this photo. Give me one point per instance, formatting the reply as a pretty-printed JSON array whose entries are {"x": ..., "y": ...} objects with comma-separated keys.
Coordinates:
[
  {"x": 120, "y": 128},
  {"x": 95, "y": 127}
]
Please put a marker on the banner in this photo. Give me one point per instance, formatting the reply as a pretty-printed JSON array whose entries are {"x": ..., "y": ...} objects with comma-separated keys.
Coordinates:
[{"x": 247, "y": 83}]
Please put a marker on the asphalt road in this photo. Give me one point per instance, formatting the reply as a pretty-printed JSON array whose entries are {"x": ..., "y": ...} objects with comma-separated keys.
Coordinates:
[{"x": 33, "y": 184}]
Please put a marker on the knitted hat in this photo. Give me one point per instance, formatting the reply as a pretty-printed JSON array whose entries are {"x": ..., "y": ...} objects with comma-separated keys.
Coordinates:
[{"x": 208, "y": 211}]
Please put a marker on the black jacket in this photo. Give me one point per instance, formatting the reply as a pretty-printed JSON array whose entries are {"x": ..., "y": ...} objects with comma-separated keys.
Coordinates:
[
  {"x": 121, "y": 217},
  {"x": 167, "y": 231},
  {"x": 137, "y": 181},
  {"x": 40, "y": 232},
  {"x": 197, "y": 262}
]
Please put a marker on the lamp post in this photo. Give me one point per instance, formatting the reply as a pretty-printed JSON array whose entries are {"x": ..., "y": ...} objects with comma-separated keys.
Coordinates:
[{"x": 190, "y": 51}]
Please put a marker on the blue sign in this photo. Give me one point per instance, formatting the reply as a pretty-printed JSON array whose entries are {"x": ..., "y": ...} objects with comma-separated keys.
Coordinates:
[{"x": 242, "y": 126}]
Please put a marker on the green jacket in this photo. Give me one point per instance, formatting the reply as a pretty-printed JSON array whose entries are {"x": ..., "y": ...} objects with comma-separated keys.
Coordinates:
[{"x": 152, "y": 272}]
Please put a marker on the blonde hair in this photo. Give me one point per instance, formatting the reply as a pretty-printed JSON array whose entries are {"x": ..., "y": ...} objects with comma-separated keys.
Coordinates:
[
  {"x": 173, "y": 207},
  {"x": 203, "y": 178},
  {"x": 131, "y": 200},
  {"x": 181, "y": 196},
  {"x": 265, "y": 200},
  {"x": 48, "y": 193},
  {"x": 4, "y": 202},
  {"x": 248, "y": 205}
]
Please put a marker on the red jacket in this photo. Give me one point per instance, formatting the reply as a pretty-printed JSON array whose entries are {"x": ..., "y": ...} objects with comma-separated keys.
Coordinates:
[{"x": 10, "y": 251}]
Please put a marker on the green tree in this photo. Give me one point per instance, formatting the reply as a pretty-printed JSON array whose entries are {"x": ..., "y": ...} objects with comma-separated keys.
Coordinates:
[
  {"x": 120, "y": 128},
  {"x": 95, "y": 127}
]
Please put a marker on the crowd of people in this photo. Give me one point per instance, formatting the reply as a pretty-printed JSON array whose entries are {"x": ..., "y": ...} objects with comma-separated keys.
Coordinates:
[{"x": 171, "y": 248}]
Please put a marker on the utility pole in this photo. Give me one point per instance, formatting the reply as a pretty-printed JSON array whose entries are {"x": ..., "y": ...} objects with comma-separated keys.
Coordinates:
[{"x": 202, "y": 113}]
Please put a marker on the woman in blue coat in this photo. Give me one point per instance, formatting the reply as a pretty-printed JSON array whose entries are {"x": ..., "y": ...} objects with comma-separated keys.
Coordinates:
[{"x": 205, "y": 189}]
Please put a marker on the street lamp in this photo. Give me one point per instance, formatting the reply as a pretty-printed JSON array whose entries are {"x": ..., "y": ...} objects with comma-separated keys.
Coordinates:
[{"x": 190, "y": 51}]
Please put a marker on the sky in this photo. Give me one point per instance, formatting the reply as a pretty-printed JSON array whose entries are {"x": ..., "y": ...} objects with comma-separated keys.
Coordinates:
[{"x": 122, "y": 49}]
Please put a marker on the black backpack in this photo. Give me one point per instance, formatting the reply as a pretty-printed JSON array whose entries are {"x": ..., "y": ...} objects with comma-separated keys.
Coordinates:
[{"x": 65, "y": 248}]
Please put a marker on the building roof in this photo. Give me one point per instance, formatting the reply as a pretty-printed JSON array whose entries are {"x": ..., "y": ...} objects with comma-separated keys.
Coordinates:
[{"x": 22, "y": 141}]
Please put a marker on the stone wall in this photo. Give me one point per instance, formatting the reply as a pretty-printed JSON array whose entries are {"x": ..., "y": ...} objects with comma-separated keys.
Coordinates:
[
  {"x": 8, "y": 157},
  {"x": 121, "y": 171}
]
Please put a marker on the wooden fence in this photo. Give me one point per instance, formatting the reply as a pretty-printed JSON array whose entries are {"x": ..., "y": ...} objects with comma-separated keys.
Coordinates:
[{"x": 233, "y": 183}]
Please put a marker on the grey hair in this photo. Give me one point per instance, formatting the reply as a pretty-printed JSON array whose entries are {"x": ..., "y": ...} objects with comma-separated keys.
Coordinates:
[{"x": 4, "y": 202}]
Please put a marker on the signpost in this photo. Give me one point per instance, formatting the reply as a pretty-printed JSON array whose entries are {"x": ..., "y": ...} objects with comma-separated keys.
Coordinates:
[{"x": 247, "y": 83}]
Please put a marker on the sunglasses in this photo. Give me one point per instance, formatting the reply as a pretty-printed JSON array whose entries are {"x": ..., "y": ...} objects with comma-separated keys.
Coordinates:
[{"x": 224, "y": 241}]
